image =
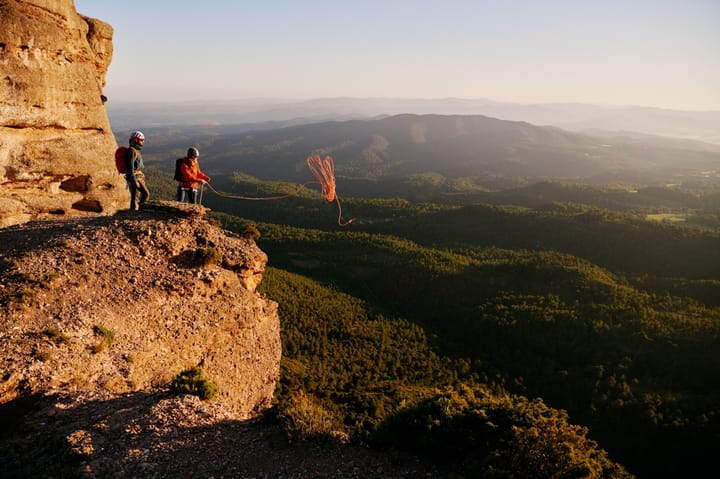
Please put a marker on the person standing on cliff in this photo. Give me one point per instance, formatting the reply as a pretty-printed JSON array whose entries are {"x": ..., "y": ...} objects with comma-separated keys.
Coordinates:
[
  {"x": 134, "y": 167},
  {"x": 190, "y": 177}
]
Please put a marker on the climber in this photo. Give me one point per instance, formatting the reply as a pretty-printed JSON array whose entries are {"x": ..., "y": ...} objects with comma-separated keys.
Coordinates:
[
  {"x": 134, "y": 171},
  {"x": 189, "y": 176}
]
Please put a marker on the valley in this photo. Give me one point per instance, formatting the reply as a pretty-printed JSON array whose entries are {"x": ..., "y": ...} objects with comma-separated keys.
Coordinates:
[{"x": 497, "y": 261}]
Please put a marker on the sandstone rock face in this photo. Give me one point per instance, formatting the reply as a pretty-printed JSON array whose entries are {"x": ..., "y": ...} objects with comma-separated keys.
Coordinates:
[
  {"x": 141, "y": 276},
  {"x": 56, "y": 144}
]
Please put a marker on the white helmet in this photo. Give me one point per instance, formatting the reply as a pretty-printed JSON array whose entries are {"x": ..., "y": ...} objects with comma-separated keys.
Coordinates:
[{"x": 137, "y": 135}]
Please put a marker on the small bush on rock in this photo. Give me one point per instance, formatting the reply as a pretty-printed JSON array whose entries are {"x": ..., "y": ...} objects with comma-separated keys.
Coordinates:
[
  {"x": 55, "y": 335},
  {"x": 193, "y": 381},
  {"x": 207, "y": 256},
  {"x": 42, "y": 355},
  {"x": 305, "y": 419},
  {"x": 107, "y": 338}
]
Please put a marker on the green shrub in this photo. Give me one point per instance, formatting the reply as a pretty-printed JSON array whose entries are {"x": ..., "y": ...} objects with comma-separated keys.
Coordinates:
[
  {"x": 42, "y": 355},
  {"x": 193, "y": 381},
  {"x": 49, "y": 278},
  {"x": 249, "y": 231},
  {"x": 107, "y": 338},
  {"x": 56, "y": 335},
  {"x": 477, "y": 433},
  {"x": 207, "y": 256},
  {"x": 239, "y": 226},
  {"x": 304, "y": 419},
  {"x": 24, "y": 298}
]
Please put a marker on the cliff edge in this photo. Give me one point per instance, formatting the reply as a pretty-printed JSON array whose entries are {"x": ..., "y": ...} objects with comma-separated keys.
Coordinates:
[
  {"x": 173, "y": 290},
  {"x": 126, "y": 302}
]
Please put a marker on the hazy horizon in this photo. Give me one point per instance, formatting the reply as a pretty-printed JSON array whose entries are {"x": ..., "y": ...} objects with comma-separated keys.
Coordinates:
[
  {"x": 127, "y": 99},
  {"x": 662, "y": 54}
]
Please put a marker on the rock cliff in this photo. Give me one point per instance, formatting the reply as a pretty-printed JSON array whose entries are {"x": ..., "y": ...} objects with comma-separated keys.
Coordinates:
[
  {"x": 100, "y": 308},
  {"x": 124, "y": 303},
  {"x": 99, "y": 313},
  {"x": 56, "y": 145}
]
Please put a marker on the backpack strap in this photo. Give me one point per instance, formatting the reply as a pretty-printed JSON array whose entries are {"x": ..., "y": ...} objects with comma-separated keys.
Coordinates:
[{"x": 130, "y": 165}]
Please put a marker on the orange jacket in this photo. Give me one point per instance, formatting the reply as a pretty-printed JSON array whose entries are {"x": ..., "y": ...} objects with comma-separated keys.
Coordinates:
[{"x": 191, "y": 174}]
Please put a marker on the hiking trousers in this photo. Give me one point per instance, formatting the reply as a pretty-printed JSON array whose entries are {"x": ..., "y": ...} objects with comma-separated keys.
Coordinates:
[
  {"x": 189, "y": 195},
  {"x": 138, "y": 188}
]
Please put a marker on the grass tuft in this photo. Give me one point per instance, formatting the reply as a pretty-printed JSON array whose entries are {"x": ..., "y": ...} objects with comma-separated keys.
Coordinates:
[
  {"x": 57, "y": 336},
  {"x": 193, "y": 381},
  {"x": 107, "y": 339}
]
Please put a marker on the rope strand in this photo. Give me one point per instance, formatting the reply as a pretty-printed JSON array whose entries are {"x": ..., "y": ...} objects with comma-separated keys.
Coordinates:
[
  {"x": 265, "y": 198},
  {"x": 324, "y": 171}
]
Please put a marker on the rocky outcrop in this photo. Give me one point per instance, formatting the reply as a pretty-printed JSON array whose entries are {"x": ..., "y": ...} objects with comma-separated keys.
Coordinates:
[
  {"x": 56, "y": 145},
  {"x": 172, "y": 290}
]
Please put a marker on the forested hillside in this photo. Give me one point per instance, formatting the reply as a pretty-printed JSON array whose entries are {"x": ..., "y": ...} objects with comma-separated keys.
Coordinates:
[
  {"x": 467, "y": 307},
  {"x": 630, "y": 364}
]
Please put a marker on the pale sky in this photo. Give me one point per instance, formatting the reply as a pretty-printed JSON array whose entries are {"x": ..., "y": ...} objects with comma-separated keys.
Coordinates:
[{"x": 661, "y": 53}]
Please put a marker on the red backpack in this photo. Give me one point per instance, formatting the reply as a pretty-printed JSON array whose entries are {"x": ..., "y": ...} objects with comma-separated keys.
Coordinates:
[{"x": 120, "y": 159}]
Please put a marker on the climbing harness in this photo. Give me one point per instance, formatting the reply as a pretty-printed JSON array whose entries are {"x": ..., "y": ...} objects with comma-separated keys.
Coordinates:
[{"x": 324, "y": 171}]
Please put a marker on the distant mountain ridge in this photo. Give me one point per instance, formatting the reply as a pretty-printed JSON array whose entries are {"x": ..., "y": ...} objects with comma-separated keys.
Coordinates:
[
  {"x": 454, "y": 146},
  {"x": 697, "y": 125}
]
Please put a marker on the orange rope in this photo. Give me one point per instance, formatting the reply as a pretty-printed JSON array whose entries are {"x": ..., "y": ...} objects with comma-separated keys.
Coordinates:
[
  {"x": 324, "y": 171},
  {"x": 265, "y": 198}
]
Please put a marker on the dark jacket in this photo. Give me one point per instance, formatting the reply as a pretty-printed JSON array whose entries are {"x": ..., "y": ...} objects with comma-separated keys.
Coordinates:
[{"x": 133, "y": 164}]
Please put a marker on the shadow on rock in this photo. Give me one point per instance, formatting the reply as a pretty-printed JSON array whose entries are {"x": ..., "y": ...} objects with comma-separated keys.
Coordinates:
[{"x": 162, "y": 435}]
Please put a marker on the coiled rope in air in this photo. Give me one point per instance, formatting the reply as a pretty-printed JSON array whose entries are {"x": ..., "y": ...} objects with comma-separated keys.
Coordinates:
[{"x": 324, "y": 171}]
